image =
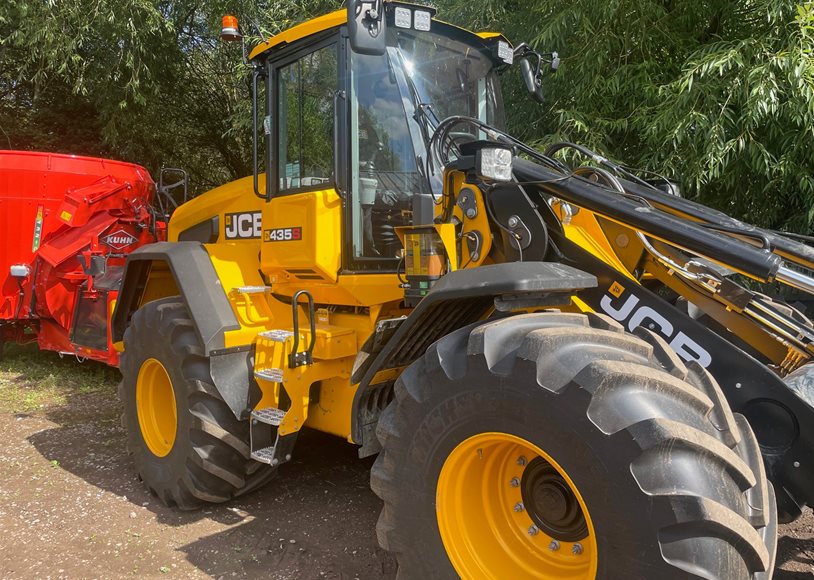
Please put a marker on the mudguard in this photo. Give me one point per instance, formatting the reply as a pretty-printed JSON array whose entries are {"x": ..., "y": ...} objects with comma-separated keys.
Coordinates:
[
  {"x": 196, "y": 282},
  {"x": 458, "y": 299}
]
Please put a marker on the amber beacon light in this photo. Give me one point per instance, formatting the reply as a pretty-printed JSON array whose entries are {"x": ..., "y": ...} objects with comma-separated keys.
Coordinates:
[{"x": 229, "y": 31}]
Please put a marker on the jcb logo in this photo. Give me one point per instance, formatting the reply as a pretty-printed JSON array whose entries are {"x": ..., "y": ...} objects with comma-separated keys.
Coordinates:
[
  {"x": 631, "y": 314},
  {"x": 243, "y": 226}
]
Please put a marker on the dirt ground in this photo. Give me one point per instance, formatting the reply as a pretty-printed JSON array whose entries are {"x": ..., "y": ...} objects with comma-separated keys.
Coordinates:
[{"x": 71, "y": 507}]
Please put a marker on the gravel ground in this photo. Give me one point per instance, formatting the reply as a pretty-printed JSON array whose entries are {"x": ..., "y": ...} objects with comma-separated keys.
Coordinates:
[{"x": 71, "y": 507}]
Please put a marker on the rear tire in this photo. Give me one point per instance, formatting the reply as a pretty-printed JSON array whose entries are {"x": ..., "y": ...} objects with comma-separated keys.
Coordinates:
[
  {"x": 203, "y": 455},
  {"x": 671, "y": 483}
]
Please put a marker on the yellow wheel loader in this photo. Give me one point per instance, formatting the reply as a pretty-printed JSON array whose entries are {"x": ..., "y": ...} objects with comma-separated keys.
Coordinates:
[{"x": 567, "y": 371}]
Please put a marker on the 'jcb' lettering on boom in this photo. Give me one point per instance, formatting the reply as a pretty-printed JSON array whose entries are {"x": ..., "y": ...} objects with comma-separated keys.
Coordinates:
[{"x": 631, "y": 314}]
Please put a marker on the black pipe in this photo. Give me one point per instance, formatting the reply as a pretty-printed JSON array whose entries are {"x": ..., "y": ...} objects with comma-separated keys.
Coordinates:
[
  {"x": 795, "y": 251},
  {"x": 684, "y": 233}
]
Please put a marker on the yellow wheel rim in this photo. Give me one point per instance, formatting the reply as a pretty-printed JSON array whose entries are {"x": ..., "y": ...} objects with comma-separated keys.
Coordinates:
[
  {"x": 489, "y": 531},
  {"x": 155, "y": 403}
]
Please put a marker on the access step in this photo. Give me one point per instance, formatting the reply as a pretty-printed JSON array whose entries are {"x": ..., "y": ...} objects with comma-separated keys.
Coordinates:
[
  {"x": 277, "y": 335},
  {"x": 253, "y": 289},
  {"x": 271, "y": 375},
  {"x": 266, "y": 455},
  {"x": 269, "y": 416}
]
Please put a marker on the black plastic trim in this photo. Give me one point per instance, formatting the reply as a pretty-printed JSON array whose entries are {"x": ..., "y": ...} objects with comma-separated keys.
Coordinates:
[
  {"x": 196, "y": 280},
  {"x": 460, "y": 298},
  {"x": 205, "y": 232}
]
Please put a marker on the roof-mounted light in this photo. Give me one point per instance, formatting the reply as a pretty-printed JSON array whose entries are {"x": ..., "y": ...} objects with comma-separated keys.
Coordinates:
[
  {"x": 421, "y": 20},
  {"x": 403, "y": 17}
]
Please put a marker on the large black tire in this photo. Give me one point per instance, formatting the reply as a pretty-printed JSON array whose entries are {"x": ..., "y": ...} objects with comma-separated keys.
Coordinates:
[
  {"x": 209, "y": 459},
  {"x": 673, "y": 481}
]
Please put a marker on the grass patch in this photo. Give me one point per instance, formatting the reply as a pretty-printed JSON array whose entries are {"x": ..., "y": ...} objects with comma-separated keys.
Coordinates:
[{"x": 31, "y": 379}]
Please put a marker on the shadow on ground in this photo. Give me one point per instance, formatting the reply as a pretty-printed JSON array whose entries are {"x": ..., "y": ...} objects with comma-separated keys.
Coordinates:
[
  {"x": 799, "y": 551},
  {"x": 315, "y": 519}
]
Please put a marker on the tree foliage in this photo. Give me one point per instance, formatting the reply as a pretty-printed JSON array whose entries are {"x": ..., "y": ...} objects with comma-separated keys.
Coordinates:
[
  {"x": 717, "y": 94},
  {"x": 141, "y": 80}
]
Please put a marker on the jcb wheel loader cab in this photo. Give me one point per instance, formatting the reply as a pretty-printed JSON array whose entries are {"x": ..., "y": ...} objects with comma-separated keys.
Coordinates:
[{"x": 559, "y": 446}]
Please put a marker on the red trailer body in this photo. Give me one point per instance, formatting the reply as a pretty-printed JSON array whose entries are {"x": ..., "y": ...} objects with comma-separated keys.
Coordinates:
[{"x": 66, "y": 226}]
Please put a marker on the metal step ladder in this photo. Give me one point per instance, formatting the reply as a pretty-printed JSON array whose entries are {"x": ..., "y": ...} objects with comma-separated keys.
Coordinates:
[{"x": 267, "y": 445}]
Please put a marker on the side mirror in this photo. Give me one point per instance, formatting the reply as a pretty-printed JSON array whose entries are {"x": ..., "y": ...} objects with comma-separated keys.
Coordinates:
[
  {"x": 366, "y": 26},
  {"x": 533, "y": 80}
]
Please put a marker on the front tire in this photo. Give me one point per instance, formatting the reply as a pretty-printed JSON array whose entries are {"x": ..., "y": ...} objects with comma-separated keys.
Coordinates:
[
  {"x": 187, "y": 445},
  {"x": 558, "y": 446}
]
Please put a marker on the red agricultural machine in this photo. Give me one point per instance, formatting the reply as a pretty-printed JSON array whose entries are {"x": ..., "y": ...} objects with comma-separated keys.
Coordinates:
[{"x": 67, "y": 224}]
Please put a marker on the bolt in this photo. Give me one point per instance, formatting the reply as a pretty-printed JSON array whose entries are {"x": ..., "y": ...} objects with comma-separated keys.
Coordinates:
[
  {"x": 796, "y": 464},
  {"x": 533, "y": 530},
  {"x": 738, "y": 385},
  {"x": 554, "y": 545},
  {"x": 513, "y": 221},
  {"x": 471, "y": 213},
  {"x": 275, "y": 462},
  {"x": 518, "y": 507},
  {"x": 522, "y": 460},
  {"x": 514, "y": 482},
  {"x": 288, "y": 457},
  {"x": 576, "y": 549}
]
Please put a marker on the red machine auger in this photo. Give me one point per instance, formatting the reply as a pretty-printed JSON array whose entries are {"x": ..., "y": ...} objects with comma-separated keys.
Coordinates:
[{"x": 67, "y": 224}]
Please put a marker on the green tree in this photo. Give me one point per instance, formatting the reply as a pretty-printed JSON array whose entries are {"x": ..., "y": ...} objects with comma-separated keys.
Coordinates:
[
  {"x": 143, "y": 80},
  {"x": 717, "y": 94}
]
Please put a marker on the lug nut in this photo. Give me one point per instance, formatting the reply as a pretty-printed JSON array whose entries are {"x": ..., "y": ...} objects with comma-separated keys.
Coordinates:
[
  {"x": 518, "y": 507},
  {"x": 514, "y": 482},
  {"x": 522, "y": 460},
  {"x": 533, "y": 530},
  {"x": 576, "y": 549},
  {"x": 554, "y": 545}
]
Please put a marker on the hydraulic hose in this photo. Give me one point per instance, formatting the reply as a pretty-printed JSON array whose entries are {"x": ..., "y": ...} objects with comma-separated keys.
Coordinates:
[{"x": 677, "y": 231}]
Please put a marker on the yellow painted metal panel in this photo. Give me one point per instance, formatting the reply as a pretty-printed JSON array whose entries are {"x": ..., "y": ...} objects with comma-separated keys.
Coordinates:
[{"x": 302, "y": 236}]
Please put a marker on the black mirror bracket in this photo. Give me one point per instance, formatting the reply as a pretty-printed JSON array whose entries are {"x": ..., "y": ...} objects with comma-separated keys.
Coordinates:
[
  {"x": 366, "y": 26},
  {"x": 531, "y": 67}
]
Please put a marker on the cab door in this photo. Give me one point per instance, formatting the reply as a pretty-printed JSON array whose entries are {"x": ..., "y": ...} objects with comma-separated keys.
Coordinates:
[{"x": 302, "y": 222}]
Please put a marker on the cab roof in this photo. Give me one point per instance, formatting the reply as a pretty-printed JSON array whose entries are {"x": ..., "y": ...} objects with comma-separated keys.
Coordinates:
[{"x": 322, "y": 23}]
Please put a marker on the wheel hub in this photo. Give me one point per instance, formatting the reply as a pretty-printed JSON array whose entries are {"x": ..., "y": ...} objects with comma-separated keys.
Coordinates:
[
  {"x": 506, "y": 509},
  {"x": 551, "y": 504},
  {"x": 155, "y": 406}
]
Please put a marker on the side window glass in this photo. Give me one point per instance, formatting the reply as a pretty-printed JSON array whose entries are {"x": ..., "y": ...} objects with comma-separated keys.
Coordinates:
[
  {"x": 306, "y": 119},
  {"x": 384, "y": 173}
]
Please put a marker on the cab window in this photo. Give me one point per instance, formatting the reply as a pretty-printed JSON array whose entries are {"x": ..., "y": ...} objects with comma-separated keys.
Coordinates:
[
  {"x": 305, "y": 120},
  {"x": 384, "y": 173}
]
